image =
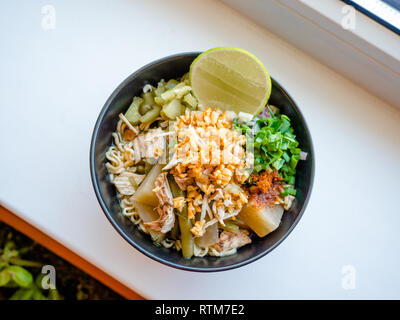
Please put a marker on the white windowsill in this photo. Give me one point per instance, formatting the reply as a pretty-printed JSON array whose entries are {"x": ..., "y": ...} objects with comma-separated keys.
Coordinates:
[
  {"x": 375, "y": 35},
  {"x": 369, "y": 54}
]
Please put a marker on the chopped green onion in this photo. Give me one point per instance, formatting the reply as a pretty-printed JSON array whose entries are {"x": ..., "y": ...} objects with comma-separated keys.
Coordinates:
[{"x": 274, "y": 144}]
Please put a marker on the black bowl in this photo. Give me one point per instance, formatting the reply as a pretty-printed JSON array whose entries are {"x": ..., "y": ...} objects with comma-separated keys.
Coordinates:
[{"x": 174, "y": 67}]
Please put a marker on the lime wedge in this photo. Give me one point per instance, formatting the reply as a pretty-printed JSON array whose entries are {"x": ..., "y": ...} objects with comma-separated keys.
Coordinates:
[{"x": 230, "y": 78}]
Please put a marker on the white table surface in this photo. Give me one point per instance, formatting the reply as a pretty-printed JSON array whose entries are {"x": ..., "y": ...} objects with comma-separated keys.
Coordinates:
[{"x": 54, "y": 83}]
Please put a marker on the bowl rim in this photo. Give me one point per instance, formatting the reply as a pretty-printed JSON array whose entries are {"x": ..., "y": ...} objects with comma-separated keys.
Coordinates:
[{"x": 93, "y": 176}]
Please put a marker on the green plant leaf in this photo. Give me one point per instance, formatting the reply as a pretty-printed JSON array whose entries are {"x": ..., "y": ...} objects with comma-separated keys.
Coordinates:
[
  {"x": 9, "y": 250},
  {"x": 54, "y": 295},
  {"x": 11, "y": 284},
  {"x": 20, "y": 275},
  {"x": 9, "y": 245},
  {"x": 39, "y": 279},
  {"x": 17, "y": 294},
  {"x": 23, "y": 294},
  {"x": 9, "y": 253},
  {"x": 5, "y": 277},
  {"x": 24, "y": 263},
  {"x": 37, "y": 295}
]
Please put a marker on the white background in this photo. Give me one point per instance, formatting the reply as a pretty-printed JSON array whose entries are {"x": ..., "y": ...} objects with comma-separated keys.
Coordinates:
[{"x": 54, "y": 83}]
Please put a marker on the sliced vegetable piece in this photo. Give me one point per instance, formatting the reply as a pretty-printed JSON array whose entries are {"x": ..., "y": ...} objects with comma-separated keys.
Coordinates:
[
  {"x": 175, "y": 190},
  {"x": 177, "y": 92},
  {"x": 148, "y": 98},
  {"x": 261, "y": 220},
  {"x": 144, "y": 194},
  {"x": 171, "y": 83},
  {"x": 147, "y": 214},
  {"x": 151, "y": 115},
  {"x": 132, "y": 114},
  {"x": 127, "y": 182},
  {"x": 160, "y": 89},
  {"x": 136, "y": 180},
  {"x": 160, "y": 101},
  {"x": 172, "y": 109},
  {"x": 144, "y": 108},
  {"x": 175, "y": 230},
  {"x": 209, "y": 238},
  {"x": 190, "y": 101},
  {"x": 185, "y": 224},
  {"x": 187, "y": 239},
  {"x": 230, "y": 226}
]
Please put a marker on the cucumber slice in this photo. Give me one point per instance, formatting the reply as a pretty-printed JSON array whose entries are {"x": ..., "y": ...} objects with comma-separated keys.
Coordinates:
[
  {"x": 190, "y": 101},
  {"x": 151, "y": 115},
  {"x": 173, "y": 109},
  {"x": 133, "y": 114},
  {"x": 148, "y": 98}
]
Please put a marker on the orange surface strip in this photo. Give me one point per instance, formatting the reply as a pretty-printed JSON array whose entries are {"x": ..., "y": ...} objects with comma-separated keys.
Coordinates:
[{"x": 56, "y": 247}]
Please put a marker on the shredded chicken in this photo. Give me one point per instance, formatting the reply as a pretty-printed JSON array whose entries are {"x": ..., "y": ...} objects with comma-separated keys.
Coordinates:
[
  {"x": 125, "y": 182},
  {"x": 150, "y": 145},
  {"x": 172, "y": 163},
  {"x": 165, "y": 222},
  {"x": 200, "y": 227},
  {"x": 204, "y": 208},
  {"x": 183, "y": 182},
  {"x": 197, "y": 229},
  {"x": 288, "y": 201},
  {"x": 231, "y": 240},
  {"x": 209, "y": 163},
  {"x": 219, "y": 213},
  {"x": 162, "y": 189},
  {"x": 179, "y": 203}
]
